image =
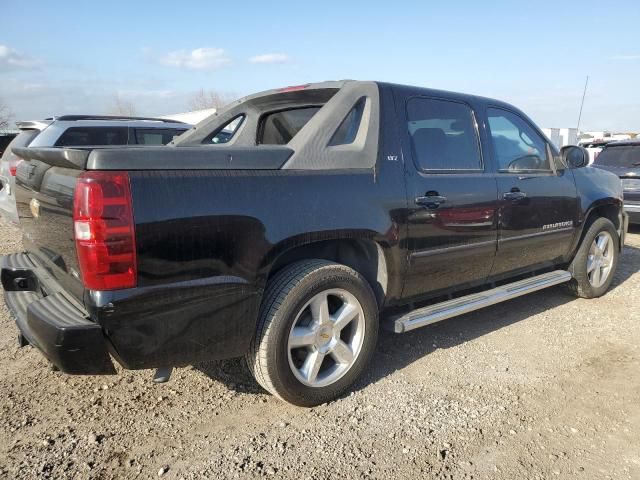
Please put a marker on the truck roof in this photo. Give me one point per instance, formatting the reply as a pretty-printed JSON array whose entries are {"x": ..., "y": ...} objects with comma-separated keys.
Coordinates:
[
  {"x": 634, "y": 142},
  {"x": 434, "y": 92}
]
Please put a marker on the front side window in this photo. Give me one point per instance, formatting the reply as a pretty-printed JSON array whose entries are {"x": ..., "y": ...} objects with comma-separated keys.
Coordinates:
[
  {"x": 516, "y": 145},
  {"x": 443, "y": 135},
  {"x": 86, "y": 136},
  {"x": 278, "y": 128}
]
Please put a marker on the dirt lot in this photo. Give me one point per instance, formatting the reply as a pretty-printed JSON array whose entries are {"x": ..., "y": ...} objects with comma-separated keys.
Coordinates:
[{"x": 545, "y": 386}]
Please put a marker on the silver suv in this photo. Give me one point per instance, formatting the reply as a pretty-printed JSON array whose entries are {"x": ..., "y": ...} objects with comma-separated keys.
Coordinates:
[{"x": 80, "y": 131}]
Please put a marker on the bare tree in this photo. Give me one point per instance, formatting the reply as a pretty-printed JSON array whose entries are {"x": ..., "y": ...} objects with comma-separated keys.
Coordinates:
[
  {"x": 5, "y": 116},
  {"x": 202, "y": 99},
  {"x": 121, "y": 106}
]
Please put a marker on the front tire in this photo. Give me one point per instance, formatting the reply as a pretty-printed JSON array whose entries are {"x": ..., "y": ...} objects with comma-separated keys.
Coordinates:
[
  {"x": 316, "y": 332},
  {"x": 596, "y": 260}
]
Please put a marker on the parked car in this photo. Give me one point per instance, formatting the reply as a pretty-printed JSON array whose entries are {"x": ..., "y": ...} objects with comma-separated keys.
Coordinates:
[
  {"x": 8, "y": 164},
  {"x": 594, "y": 148},
  {"x": 326, "y": 209},
  {"x": 623, "y": 159},
  {"x": 80, "y": 131},
  {"x": 95, "y": 130}
]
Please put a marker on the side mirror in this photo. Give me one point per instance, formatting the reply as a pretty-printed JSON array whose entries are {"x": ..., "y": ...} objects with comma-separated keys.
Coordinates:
[{"x": 574, "y": 156}]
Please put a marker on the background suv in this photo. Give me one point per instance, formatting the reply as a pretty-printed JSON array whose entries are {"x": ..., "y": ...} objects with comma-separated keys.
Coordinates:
[
  {"x": 80, "y": 131},
  {"x": 623, "y": 159}
]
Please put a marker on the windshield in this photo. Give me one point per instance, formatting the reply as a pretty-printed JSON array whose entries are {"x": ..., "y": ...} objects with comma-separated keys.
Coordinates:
[{"x": 627, "y": 156}]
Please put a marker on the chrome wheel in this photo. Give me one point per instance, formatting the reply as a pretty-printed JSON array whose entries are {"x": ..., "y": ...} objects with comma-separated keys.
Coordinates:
[
  {"x": 326, "y": 338},
  {"x": 600, "y": 259}
]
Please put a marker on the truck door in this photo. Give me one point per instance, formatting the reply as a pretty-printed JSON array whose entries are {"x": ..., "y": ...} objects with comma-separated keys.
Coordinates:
[
  {"x": 451, "y": 217},
  {"x": 539, "y": 204}
]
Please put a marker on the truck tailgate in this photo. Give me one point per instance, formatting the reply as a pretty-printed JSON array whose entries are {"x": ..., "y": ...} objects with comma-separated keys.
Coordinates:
[{"x": 44, "y": 200}]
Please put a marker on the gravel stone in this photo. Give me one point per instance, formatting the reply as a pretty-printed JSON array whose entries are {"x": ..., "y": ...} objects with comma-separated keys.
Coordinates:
[{"x": 544, "y": 386}]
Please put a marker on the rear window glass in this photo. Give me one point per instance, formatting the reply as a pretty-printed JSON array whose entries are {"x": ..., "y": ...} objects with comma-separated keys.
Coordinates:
[
  {"x": 627, "y": 156},
  {"x": 156, "y": 136},
  {"x": 23, "y": 139},
  {"x": 5, "y": 140},
  {"x": 84, "y": 136},
  {"x": 278, "y": 128}
]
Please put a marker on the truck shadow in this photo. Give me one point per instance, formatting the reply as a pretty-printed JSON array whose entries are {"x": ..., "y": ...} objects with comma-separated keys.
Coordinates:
[{"x": 395, "y": 352}]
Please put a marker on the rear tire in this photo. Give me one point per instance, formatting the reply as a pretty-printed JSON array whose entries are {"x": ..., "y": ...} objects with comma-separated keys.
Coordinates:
[
  {"x": 316, "y": 332},
  {"x": 594, "y": 265}
]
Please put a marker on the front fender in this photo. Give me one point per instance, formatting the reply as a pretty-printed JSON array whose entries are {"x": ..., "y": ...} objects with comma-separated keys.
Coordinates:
[{"x": 598, "y": 191}]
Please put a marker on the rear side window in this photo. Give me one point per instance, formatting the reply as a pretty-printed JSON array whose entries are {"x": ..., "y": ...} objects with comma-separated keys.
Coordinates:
[
  {"x": 84, "y": 136},
  {"x": 348, "y": 129},
  {"x": 443, "y": 135},
  {"x": 516, "y": 145},
  {"x": 623, "y": 156},
  {"x": 227, "y": 132},
  {"x": 156, "y": 136},
  {"x": 278, "y": 128}
]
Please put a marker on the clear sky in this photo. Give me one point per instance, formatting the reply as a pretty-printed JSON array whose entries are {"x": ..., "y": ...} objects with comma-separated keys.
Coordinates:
[{"x": 61, "y": 57}]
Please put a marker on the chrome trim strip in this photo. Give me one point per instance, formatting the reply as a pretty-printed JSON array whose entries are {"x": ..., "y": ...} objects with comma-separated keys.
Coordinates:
[
  {"x": 631, "y": 208},
  {"x": 458, "y": 306},
  {"x": 455, "y": 248},
  {"x": 537, "y": 234}
]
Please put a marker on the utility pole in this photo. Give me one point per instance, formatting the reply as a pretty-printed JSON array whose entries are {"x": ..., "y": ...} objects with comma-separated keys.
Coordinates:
[{"x": 584, "y": 93}]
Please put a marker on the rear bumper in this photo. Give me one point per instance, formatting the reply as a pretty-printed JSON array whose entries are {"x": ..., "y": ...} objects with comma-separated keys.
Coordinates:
[{"x": 53, "y": 323}]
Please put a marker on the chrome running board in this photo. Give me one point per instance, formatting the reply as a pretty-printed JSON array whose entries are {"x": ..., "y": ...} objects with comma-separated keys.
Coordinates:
[{"x": 452, "y": 308}]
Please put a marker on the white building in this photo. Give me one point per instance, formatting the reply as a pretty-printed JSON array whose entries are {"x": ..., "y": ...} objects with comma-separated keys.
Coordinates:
[
  {"x": 552, "y": 134},
  {"x": 193, "y": 117},
  {"x": 562, "y": 136},
  {"x": 603, "y": 136}
]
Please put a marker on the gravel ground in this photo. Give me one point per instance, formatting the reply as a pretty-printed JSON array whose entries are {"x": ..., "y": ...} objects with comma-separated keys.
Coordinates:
[{"x": 545, "y": 386}]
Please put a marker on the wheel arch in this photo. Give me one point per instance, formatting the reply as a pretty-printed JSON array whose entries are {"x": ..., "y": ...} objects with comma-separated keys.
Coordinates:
[
  {"x": 609, "y": 208},
  {"x": 363, "y": 254}
]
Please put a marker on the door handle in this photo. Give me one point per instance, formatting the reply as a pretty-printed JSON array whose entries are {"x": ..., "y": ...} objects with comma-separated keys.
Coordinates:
[
  {"x": 430, "y": 201},
  {"x": 514, "y": 195}
]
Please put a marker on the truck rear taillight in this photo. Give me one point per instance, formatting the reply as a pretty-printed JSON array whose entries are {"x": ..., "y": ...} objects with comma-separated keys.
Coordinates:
[
  {"x": 293, "y": 88},
  {"x": 104, "y": 230},
  {"x": 13, "y": 167}
]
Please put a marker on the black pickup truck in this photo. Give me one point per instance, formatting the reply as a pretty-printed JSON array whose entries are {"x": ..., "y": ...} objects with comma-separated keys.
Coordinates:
[{"x": 286, "y": 227}]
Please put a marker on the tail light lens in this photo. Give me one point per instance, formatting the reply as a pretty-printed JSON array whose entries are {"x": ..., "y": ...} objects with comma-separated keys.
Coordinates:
[
  {"x": 104, "y": 230},
  {"x": 13, "y": 167},
  {"x": 293, "y": 88}
]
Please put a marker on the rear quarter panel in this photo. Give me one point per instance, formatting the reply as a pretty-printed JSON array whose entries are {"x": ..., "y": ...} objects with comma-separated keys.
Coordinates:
[
  {"x": 195, "y": 225},
  {"x": 206, "y": 242}
]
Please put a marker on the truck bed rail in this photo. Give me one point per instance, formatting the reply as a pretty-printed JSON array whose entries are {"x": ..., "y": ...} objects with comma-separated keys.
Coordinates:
[{"x": 205, "y": 157}]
